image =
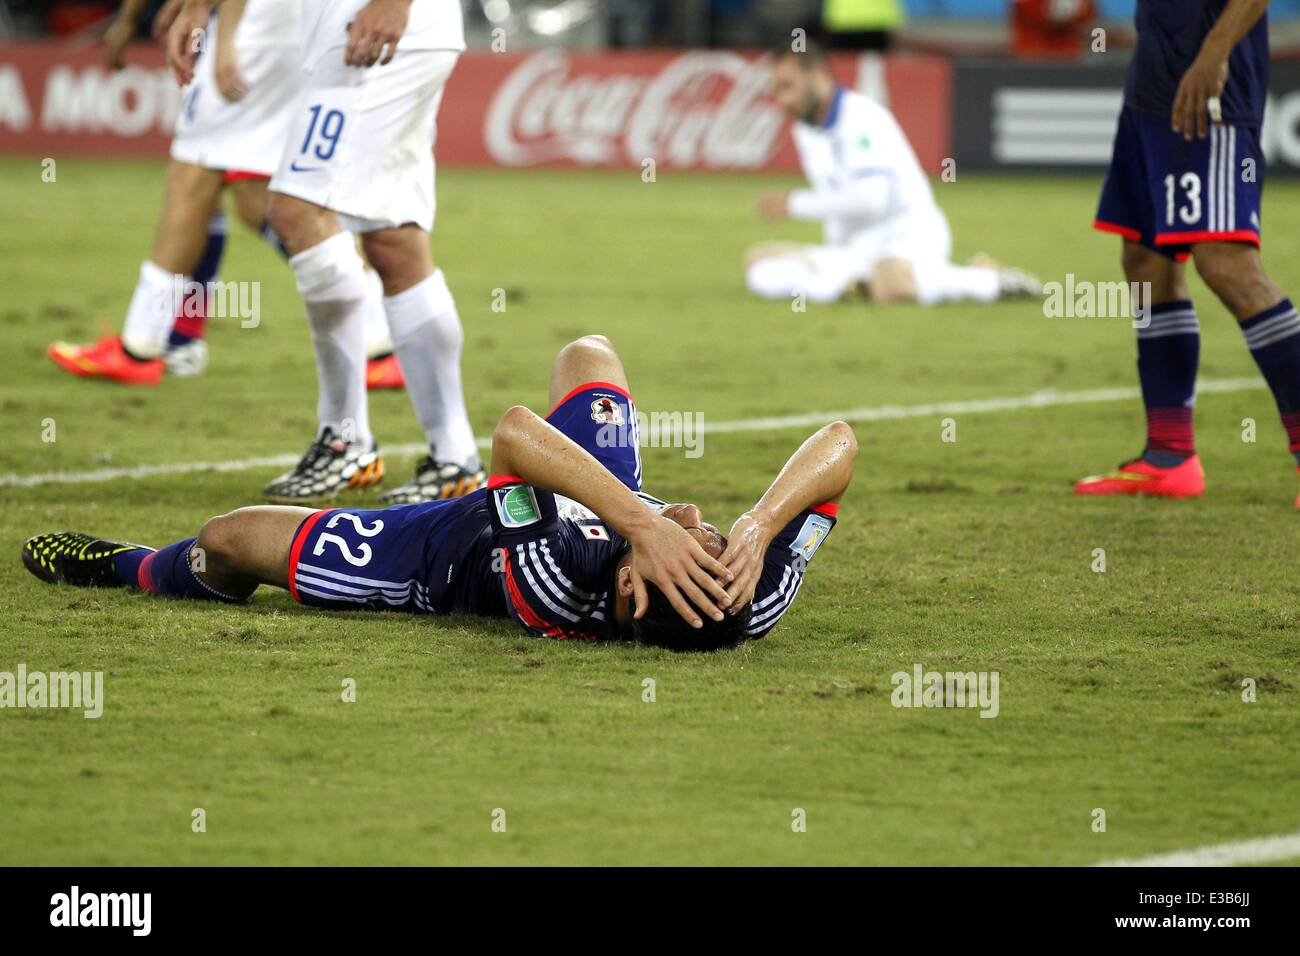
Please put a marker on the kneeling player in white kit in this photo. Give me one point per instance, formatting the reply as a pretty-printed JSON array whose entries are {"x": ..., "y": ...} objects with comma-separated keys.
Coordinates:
[
  {"x": 359, "y": 155},
  {"x": 884, "y": 234}
]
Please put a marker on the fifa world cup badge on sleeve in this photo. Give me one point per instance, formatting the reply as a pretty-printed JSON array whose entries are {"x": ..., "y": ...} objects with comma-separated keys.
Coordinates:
[
  {"x": 811, "y": 535},
  {"x": 516, "y": 506}
]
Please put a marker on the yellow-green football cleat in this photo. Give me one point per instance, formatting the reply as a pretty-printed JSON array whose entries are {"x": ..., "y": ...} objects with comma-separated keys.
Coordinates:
[{"x": 70, "y": 557}]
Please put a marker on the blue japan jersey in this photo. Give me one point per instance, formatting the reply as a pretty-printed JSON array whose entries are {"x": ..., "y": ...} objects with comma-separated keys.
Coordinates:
[
  {"x": 560, "y": 561},
  {"x": 557, "y": 561},
  {"x": 1168, "y": 192},
  {"x": 1169, "y": 35}
]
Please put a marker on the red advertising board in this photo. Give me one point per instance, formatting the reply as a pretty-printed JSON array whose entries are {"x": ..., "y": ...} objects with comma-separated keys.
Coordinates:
[{"x": 698, "y": 109}]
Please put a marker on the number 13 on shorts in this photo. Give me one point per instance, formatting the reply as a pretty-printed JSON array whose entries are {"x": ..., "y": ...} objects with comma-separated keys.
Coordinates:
[{"x": 1188, "y": 186}]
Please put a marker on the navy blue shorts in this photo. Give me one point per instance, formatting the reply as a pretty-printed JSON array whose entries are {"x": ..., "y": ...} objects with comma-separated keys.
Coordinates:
[
  {"x": 399, "y": 557},
  {"x": 601, "y": 418},
  {"x": 1169, "y": 194}
]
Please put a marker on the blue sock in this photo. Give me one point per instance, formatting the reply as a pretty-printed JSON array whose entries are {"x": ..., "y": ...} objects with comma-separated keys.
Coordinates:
[
  {"x": 1274, "y": 340},
  {"x": 126, "y": 566},
  {"x": 205, "y": 272},
  {"x": 1169, "y": 349},
  {"x": 167, "y": 571}
]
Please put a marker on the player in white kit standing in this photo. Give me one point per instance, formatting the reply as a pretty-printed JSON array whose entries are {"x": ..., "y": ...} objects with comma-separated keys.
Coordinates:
[
  {"x": 359, "y": 157},
  {"x": 883, "y": 232},
  {"x": 229, "y": 135},
  {"x": 218, "y": 142}
]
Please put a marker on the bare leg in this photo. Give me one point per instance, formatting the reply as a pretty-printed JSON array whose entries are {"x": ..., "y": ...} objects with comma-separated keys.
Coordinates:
[
  {"x": 252, "y": 201},
  {"x": 301, "y": 225},
  {"x": 401, "y": 257},
  {"x": 1235, "y": 273},
  {"x": 893, "y": 280},
  {"x": 191, "y": 193},
  {"x": 1168, "y": 278},
  {"x": 248, "y": 547},
  {"x": 589, "y": 359}
]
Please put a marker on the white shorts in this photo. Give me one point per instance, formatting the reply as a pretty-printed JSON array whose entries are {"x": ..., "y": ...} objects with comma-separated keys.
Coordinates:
[
  {"x": 922, "y": 241},
  {"x": 360, "y": 141},
  {"x": 826, "y": 272},
  {"x": 247, "y": 136}
]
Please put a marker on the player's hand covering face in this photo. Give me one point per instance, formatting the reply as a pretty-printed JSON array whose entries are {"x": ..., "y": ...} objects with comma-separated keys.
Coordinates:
[
  {"x": 374, "y": 34},
  {"x": 746, "y": 551},
  {"x": 672, "y": 558}
]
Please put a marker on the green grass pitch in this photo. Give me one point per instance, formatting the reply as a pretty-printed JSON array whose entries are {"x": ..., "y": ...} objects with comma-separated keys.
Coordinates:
[{"x": 1119, "y": 690}]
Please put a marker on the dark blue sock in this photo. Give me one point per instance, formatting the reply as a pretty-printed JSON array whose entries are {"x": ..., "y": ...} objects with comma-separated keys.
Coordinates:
[
  {"x": 206, "y": 271},
  {"x": 126, "y": 566},
  {"x": 1169, "y": 349},
  {"x": 1274, "y": 340},
  {"x": 167, "y": 571}
]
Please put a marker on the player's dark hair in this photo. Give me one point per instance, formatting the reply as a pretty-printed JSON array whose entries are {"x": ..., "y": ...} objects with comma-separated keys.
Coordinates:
[
  {"x": 662, "y": 626},
  {"x": 810, "y": 54}
]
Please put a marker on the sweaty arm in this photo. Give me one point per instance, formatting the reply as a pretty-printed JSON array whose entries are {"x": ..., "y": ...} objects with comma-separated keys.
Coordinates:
[
  {"x": 527, "y": 448},
  {"x": 811, "y": 482},
  {"x": 866, "y": 197},
  {"x": 1208, "y": 74}
]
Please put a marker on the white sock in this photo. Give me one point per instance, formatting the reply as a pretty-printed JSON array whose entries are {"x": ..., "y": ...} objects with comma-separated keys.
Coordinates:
[
  {"x": 152, "y": 313},
  {"x": 427, "y": 338},
  {"x": 950, "y": 283},
  {"x": 783, "y": 277},
  {"x": 331, "y": 278},
  {"x": 378, "y": 341}
]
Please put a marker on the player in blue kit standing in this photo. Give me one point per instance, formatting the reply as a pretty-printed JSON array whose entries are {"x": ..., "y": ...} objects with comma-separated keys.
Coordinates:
[
  {"x": 1184, "y": 182},
  {"x": 564, "y": 540}
]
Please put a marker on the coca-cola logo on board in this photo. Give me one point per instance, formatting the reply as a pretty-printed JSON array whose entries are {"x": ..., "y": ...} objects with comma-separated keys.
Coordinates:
[{"x": 705, "y": 108}]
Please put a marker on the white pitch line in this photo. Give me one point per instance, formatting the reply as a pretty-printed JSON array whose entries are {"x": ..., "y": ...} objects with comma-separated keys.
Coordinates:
[
  {"x": 1043, "y": 399},
  {"x": 1263, "y": 850}
]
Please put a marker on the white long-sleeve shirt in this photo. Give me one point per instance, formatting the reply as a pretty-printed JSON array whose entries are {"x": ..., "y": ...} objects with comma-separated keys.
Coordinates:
[{"x": 861, "y": 171}]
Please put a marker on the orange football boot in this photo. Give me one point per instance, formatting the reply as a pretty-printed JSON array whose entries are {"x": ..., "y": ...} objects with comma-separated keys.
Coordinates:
[
  {"x": 106, "y": 359},
  {"x": 1140, "y": 477},
  {"x": 384, "y": 372}
]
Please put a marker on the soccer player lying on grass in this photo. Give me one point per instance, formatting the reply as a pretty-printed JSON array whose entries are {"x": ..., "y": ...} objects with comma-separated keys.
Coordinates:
[{"x": 563, "y": 539}]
